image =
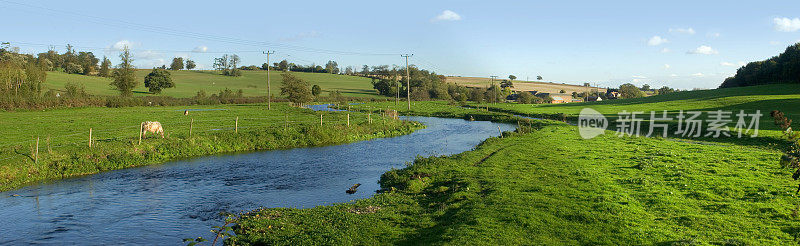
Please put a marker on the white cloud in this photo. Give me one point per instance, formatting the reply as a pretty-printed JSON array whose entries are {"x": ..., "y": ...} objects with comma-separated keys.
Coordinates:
[
  {"x": 119, "y": 45},
  {"x": 729, "y": 64},
  {"x": 154, "y": 63},
  {"x": 638, "y": 77},
  {"x": 147, "y": 55},
  {"x": 200, "y": 49},
  {"x": 682, "y": 30},
  {"x": 665, "y": 50},
  {"x": 698, "y": 75},
  {"x": 713, "y": 35},
  {"x": 656, "y": 40},
  {"x": 786, "y": 25},
  {"x": 703, "y": 50},
  {"x": 447, "y": 15},
  {"x": 667, "y": 66},
  {"x": 773, "y": 43}
]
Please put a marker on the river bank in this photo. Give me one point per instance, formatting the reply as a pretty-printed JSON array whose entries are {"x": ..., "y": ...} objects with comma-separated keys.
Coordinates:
[
  {"x": 552, "y": 187},
  {"x": 62, "y": 153}
]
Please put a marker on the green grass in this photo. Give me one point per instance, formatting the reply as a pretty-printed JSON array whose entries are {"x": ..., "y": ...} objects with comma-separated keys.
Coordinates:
[
  {"x": 552, "y": 187},
  {"x": 784, "y": 97},
  {"x": 187, "y": 83},
  {"x": 64, "y": 136}
]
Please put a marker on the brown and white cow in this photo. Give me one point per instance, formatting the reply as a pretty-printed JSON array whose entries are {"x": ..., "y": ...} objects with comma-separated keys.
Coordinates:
[{"x": 153, "y": 127}]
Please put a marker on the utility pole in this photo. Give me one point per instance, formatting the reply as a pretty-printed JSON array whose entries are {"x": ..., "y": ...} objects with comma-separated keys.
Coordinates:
[
  {"x": 269, "y": 92},
  {"x": 408, "y": 80},
  {"x": 495, "y": 93}
]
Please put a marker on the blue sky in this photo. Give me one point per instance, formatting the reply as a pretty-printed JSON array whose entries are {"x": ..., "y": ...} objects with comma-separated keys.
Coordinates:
[{"x": 683, "y": 44}]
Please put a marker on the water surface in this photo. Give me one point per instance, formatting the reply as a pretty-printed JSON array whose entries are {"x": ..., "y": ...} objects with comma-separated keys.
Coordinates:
[{"x": 161, "y": 204}]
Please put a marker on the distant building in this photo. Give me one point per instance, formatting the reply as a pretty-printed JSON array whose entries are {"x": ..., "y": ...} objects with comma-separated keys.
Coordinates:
[
  {"x": 594, "y": 99},
  {"x": 557, "y": 97}
]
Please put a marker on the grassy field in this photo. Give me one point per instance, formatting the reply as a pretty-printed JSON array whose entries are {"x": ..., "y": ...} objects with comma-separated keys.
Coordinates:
[
  {"x": 64, "y": 136},
  {"x": 187, "y": 83},
  {"x": 520, "y": 85},
  {"x": 552, "y": 187}
]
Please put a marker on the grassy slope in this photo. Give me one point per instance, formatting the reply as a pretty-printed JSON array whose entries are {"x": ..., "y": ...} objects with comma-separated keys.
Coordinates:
[
  {"x": 784, "y": 97},
  {"x": 552, "y": 187},
  {"x": 63, "y": 145},
  {"x": 187, "y": 83}
]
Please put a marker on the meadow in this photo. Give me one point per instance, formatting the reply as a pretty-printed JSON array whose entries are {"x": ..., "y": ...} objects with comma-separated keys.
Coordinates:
[
  {"x": 63, "y": 136},
  {"x": 188, "y": 83},
  {"x": 547, "y": 185}
]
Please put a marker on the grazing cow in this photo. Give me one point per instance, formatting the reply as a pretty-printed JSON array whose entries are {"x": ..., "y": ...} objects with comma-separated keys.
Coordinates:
[
  {"x": 186, "y": 112},
  {"x": 152, "y": 126}
]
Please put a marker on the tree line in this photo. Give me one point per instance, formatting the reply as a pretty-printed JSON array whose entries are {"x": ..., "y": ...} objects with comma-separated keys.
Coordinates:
[{"x": 783, "y": 68}]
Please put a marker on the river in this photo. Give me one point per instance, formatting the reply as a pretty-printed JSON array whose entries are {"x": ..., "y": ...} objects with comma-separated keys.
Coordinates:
[{"x": 161, "y": 204}]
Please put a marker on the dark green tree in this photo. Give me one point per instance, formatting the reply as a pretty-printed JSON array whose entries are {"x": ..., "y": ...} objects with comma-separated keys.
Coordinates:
[
  {"x": 157, "y": 80},
  {"x": 105, "y": 68},
  {"x": 177, "y": 63},
  {"x": 316, "y": 90},
  {"x": 630, "y": 91},
  {"x": 124, "y": 78},
  {"x": 190, "y": 64},
  {"x": 295, "y": 89}
]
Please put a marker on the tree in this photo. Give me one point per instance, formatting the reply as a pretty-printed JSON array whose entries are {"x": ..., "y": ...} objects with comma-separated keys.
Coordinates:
[
  {"x": 177, "y": 63},
  {"x": 332, "y": 67},
  {"x": 365, "y": 70},
  {"x": 283, "y": 65},
  {"x": 124, "y": 79},
  {"x": 316, "y": 90},
  {"x": 630, "y": 91},
  {"x": 562, "y": 91},
  {"x": 88, "y": 62},
  {"x": 190, "y": 64},
  {"x": 512, "y": 77},
  {"x": 105, "y": 68},
  {"x": 525, "y": 97},
  {"x": 507, "y": 83},
  {"x": 539, "y": 77},
  {"x": 645, "y": 87},
  {"x": 665, "y": 90},
  {"x": 295, "y": 88},
  {"x": 73, "y": 68},
  {"x": 158, "y": 79},
  {"x": 348, "y": 70}
]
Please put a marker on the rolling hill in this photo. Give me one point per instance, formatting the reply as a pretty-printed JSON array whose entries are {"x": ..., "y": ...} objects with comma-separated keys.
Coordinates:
[{"x": 187, "y": 83}]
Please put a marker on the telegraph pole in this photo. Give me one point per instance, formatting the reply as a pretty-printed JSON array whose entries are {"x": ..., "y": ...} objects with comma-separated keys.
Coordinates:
[
  {"x": 269, "y": 92},
  {"x": 495, "y": 93},
  {"x": 408, "y": 80}
]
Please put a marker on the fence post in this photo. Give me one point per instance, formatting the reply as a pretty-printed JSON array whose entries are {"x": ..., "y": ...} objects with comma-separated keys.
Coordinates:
[
  {"x": 369, "y": 117},
  {"x": 501, "y": 132},
  {"x": 236, "y": 125},
  {"x": 320, "y": 120},
  {"x": 37, "y": 150},
  {"x": 191, "y": 125},
  {"x": 90, "y": 137},
  {"x": 141, "y": 125},
  {"x": 348, "y": 119}
]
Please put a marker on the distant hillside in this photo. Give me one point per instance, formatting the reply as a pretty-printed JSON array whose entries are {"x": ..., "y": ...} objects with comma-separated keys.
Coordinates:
[
  {"x": 519, "y": 85},
  {"x": 187, "y": 83},
  {"x": 784, "y": 68}
]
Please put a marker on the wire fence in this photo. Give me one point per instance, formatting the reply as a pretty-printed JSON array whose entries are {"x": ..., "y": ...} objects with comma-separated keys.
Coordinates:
[{"x": 184, "y": 128}]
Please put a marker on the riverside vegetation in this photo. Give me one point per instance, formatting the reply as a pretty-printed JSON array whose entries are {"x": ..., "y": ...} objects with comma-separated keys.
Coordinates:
[{"x": 64, "y": 136}]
